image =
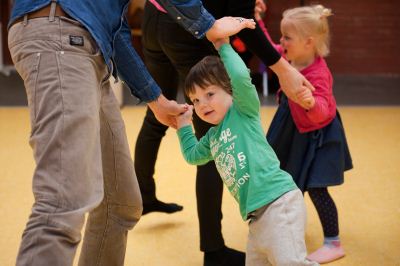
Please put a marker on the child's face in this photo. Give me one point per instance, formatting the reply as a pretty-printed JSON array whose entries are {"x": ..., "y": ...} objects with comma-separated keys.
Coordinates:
[
  {"x": 211, "y": 103},
  {"x": 294, "y": 45}
]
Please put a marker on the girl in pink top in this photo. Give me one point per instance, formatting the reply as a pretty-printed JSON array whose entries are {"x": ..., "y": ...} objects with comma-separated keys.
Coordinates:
[{"x": 309, "y": 140}]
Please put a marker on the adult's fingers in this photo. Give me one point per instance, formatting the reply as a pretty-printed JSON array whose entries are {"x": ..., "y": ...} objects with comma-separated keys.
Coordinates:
[
  {"x": 245, "y": 22},
  {"x": 176, "y": 108},
  {"x": 308, "y": 84}
]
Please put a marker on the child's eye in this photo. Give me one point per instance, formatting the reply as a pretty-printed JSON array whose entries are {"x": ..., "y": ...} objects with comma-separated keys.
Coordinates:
[
  {"x": 194, "y": 101},
  {"x": 209, "y": 94}
]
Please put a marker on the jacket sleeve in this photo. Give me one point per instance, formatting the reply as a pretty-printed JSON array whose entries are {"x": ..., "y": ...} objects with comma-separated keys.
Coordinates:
[
  {"x": 131, "y": 68},
  {"x": 190, "y": 14}
]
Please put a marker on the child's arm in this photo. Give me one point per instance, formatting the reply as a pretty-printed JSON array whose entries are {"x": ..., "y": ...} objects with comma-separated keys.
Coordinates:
[
  {"x": 245, "y": 97},
  {"x": 219, "y": 42},
  {"x": 194, "y": 151},
  {"x": 320, "y": 111},
  {"x": 259, "y": 9}
]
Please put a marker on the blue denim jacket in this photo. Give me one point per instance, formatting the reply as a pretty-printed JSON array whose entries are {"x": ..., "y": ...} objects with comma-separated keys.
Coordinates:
[{"x": 105, "y": 21}]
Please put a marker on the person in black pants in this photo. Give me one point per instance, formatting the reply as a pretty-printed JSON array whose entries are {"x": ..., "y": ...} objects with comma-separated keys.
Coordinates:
[{"x": 169, "y": 53}]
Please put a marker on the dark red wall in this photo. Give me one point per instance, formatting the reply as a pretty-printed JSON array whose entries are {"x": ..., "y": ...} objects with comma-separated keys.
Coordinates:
[{"x": 365, "y": 34}]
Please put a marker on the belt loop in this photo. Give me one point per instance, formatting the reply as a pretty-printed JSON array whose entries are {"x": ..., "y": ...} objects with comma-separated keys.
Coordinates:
[
  {"x": 25, "y": 22},
  {"x": 52, "y": 10}
]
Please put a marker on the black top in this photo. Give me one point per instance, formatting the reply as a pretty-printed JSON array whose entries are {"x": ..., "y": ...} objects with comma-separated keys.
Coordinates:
[{"x": 255, "y": 40}]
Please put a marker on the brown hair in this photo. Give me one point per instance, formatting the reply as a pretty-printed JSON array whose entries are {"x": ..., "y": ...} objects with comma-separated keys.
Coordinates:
[{"x": 208, "y": 71}]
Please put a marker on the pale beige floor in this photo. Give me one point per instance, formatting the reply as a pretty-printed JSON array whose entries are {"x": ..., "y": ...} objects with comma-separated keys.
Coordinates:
[{"x": 368, "y": 202}]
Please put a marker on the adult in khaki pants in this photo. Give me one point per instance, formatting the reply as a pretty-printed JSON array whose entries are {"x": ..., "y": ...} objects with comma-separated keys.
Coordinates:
[{"x": 65, "y": 54}]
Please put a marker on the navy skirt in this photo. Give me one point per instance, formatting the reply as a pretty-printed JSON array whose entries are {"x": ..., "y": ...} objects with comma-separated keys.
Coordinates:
[{"x": 314, "y": 159}]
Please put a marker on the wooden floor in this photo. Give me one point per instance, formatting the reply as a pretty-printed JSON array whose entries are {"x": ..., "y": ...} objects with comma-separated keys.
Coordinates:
[{"x": 368, "y": 202}]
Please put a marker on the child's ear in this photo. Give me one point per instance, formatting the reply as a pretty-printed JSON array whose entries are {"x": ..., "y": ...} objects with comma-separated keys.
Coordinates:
[{"x": 310, "y": 41}]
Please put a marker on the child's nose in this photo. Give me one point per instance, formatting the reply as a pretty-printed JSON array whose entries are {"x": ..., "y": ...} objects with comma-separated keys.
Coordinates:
[{"x": 202, "y": 104}]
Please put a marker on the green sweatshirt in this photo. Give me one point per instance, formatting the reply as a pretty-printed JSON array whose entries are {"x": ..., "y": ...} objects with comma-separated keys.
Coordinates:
[{"x": 244, "y": 159}]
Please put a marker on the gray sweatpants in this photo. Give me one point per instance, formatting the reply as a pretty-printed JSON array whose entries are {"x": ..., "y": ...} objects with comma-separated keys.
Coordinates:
[
  {"x": 83, "y": 162},
  {"x": 276, "y": 233}
]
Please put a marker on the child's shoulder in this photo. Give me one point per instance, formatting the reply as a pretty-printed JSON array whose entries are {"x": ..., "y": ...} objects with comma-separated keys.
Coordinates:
[
  {"x": 318, "y": 74},
  {"x": 318, "y": 68}
]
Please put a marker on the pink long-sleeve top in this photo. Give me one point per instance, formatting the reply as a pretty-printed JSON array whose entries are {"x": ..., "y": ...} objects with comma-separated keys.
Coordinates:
[{"x": 324, "y": 110}]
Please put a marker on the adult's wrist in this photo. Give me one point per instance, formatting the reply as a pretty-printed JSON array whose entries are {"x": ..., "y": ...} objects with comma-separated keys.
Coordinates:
[
  {"x": 281, "y": 66},
  {"x": 156, "y": 101}
]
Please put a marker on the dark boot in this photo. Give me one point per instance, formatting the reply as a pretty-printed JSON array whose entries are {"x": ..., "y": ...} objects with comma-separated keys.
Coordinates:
[
  {"x": 224, "y": 257},
  {"x": 159, "y": 206}
]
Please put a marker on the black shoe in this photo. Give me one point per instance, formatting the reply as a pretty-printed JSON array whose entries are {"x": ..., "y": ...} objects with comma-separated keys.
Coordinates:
[
  {"x": 225, "y": 257},
  {"x": 159, "y": 206}
]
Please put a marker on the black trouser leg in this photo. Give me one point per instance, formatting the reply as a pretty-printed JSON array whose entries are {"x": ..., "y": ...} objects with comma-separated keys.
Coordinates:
[
  {"x": 326, "y": 210},
  {"x": 152, "y": 131},
  {"x": 209, "y": 198},
  {"x": 146, "y": 150},
  {"x": 167, "y": 47},
  {"x": 209, "y": 188}
]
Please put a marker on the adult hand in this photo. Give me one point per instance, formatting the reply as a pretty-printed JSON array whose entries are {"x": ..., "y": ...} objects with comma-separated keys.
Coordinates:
[
  {"x": 166, "y": 111},
  {"x": 228, "y": 26},
  {"x": 290, "y": 79}
]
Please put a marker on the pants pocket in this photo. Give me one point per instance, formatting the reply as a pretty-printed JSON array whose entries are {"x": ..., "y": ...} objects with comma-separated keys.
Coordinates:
[{"x": 28, "y": 68}]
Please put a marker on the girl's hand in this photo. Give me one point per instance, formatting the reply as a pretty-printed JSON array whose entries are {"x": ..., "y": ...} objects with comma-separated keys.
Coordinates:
[
  {"x": 305, "y": 98},
  {"x": 185, "y": 118},
  {"x": 259, "y": 9},
  {"x": 290, "y": 79}
]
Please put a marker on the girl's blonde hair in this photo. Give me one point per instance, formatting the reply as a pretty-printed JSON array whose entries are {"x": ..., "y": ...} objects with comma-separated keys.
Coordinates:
[{"x": 311, "y": 21}]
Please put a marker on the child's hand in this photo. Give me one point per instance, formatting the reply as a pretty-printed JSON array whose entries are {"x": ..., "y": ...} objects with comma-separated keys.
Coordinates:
[
  {"x": 259, "y": 9},
  {"x": 219, "y": 42},
  {"x": 305, "y": 98},
  {"x": 185, "y": 118}
]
